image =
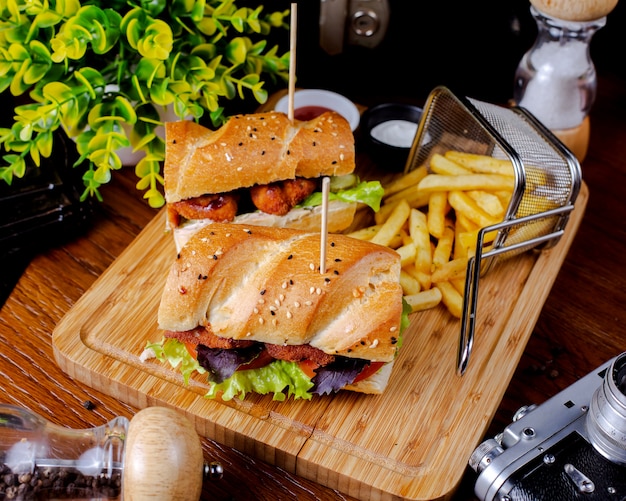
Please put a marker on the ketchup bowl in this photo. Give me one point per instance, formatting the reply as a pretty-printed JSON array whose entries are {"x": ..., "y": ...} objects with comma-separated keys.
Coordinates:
[{"x": 309, "y": 103}]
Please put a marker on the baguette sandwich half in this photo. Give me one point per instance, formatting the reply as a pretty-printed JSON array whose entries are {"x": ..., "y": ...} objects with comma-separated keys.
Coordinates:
[
  {"x": 262, "y": 169},
  {"x": 248, "y": 307}
]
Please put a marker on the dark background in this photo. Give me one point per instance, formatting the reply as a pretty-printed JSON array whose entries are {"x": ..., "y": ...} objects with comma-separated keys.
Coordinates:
[{"x": 471, "y": 47}]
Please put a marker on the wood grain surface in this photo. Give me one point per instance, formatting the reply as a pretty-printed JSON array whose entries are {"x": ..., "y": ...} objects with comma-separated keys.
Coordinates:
[
  {"x": 411, "y": 442},
  {"x": 580, "y": 326}
]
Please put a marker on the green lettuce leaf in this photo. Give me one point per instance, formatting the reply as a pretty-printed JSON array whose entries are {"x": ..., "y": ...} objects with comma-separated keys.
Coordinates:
[
  {"x": 365, "y": 192},
  {"x": 276, "y": 377}
]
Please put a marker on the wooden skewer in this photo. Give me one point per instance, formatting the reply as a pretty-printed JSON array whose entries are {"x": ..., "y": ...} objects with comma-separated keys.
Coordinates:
[
  {"x": 292, "y": 58},
  {"x": 324, "y": 227}
]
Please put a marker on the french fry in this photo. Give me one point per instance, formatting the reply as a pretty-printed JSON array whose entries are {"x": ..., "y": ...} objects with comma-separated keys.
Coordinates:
[
  {"x": 488, "y": 202},
  {"x": 450, "y": 271},
  {"x": 443, "y": 249},
  {"x": 424, "y": 300},
  {"x": 464, "y": 204},
  {"x": 418, "y": 229},
  {"x": 440, "y": 164},
  {"x": 394, "y": 223},
  {"x": 451, "y": 298},
  {"x": 465, "y": 182},
  {"x": 438, "y": 208},
  {"x": 365, "y": 233},
  {"x": 481, "y": 163},
  {"x": 410, "y": 284},
  {"x": 412, "y": 196},
  {"x": 409, "y": 180},
  {"x": 407, "y": 254},
  {"x": 459, "y": 285}
]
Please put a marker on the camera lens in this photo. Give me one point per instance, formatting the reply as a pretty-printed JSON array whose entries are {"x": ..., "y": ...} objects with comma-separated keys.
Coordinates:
[{"x": 606, "y": 419}]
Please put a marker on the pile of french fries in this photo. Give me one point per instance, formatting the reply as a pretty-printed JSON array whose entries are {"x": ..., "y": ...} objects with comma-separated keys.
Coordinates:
[{"x": 431, "y": 217}]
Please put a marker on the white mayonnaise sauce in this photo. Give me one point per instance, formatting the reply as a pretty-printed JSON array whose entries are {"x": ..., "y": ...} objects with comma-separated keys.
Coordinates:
[{"x": 399, "y": 133}]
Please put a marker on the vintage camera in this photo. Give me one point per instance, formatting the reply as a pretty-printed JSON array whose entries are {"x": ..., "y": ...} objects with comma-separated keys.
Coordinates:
[
  {"x": 573, "y": 446},
  {"x": 352, "y": 22}
]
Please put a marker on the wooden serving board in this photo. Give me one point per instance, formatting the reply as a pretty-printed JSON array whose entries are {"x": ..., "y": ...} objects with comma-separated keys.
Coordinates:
[{"x": 412, "y": 442}]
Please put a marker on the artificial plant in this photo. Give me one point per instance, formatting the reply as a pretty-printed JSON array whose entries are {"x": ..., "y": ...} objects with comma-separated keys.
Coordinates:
[{"x": 102, "y": 70}]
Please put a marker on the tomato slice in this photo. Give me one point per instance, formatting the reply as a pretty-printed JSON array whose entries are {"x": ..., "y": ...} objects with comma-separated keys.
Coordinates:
[
  {"x": 308, "y": 367},
  {"x": 191, "y": 348},
  {"x": 372, "y": 368},
  {"x": 262, "y": 360}
]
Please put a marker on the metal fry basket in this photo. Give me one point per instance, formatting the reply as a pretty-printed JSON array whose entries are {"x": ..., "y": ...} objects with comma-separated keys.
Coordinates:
[{"x": 547, "y": 182}]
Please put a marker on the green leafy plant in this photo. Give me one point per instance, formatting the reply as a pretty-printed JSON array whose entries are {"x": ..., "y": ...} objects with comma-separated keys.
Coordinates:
[{"x": 102, "y": 70}]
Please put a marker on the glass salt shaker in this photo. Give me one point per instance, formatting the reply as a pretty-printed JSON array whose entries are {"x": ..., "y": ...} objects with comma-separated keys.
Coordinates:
[
  {"x": 556, "y": 79},
  {"x": 156, "y": 455}
]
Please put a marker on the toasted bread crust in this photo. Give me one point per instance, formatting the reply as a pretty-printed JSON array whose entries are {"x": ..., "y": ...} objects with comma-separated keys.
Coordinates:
[
  {"x": 253, "y": 149},
  {"x": 263, "y": 284}
]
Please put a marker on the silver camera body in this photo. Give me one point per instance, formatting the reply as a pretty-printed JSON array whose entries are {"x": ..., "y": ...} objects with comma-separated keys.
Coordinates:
[
  {"x": 352, "y": 22},
  {"x": 573, "y": 446}
]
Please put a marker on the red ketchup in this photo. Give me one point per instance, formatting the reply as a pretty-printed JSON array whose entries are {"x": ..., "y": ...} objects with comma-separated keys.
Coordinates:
[{"x": 306, "y": 113}]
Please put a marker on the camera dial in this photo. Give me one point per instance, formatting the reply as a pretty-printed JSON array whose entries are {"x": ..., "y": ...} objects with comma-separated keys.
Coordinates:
[{"x": 606, "y": 419}]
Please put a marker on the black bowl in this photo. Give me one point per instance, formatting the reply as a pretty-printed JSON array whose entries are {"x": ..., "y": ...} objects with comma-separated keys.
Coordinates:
[{"x": 391, "y": 150}]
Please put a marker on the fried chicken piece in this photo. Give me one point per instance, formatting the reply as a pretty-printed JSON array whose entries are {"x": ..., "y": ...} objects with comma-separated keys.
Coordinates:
[
  {"x": 217, "y": 208},
  {"x": 280, "y": 197},
  {"x": 300, "y": 352},
  {"x": 204, "y": 335}
]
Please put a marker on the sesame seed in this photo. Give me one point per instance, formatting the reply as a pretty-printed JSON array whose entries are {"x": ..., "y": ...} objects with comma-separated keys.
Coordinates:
[
  {"x": 273, "y": 308},
  {"x": 374, "y": 343},
  {"x": 228, "y": 234},
  {"x": 308, "y": 303},
  {"x": 239, "y": 169},
  {"x": 274, "y": 322},
  {"x": 248, "y": 334},
  {"x": 182, "y": 290},
  {"x": 318, "y": 291},
  {"x": 261, "y": 320},
  {"x": 262, "y": 292},
  {"x": 256, "y": 310},
  {"x": 284, "y": 285},
  {"x": 289, "y": 314},
  {"x": 312, "y": 266},
  {"x": 311, "y": 290},
  {"x": 393, "y": 329},
  {"x": 261, "y": 301},
  {"x": 281, "y": 297},
  {"x": 277, "y": 302},
  {"x": 297, "y": 304}
]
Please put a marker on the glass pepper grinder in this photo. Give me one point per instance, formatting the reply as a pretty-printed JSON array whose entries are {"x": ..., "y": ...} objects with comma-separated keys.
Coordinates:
[
  {"x": 556, "y": 79},
  {"x": 156, "y": 455}
]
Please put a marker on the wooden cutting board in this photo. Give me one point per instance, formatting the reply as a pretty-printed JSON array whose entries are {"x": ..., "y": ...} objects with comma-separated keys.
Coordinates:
[{"x": 413, "y": 442}]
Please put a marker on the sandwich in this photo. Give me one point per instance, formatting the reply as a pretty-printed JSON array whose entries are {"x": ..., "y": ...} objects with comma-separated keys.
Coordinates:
[
  {"x": 248, "y": 307},
  {"x": 262, "y": 169}
]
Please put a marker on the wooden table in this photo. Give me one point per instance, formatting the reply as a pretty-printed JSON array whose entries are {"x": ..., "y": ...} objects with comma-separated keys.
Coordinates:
[{"x": 580, "y": 327}]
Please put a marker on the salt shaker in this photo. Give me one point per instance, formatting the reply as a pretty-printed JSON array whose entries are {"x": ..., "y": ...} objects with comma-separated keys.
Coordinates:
[
  {"x": 556, "y": 79},
  {"x": 156, "y": 455}
]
